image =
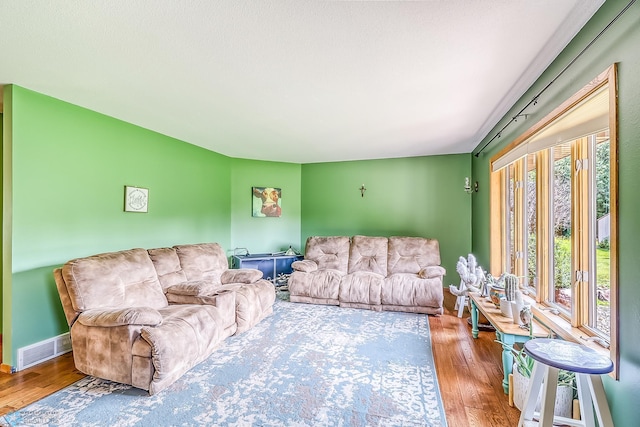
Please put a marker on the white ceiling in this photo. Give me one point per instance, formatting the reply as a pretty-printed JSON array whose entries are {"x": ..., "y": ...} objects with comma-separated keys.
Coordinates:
[{"x": 295, "y": 81}]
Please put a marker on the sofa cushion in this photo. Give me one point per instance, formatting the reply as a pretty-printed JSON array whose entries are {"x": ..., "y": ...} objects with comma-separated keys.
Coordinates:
[
  {"x": 242, "y": 275},
  {"x": 409, "y": 290},
  {"x": 120, "y": 317},
  {"x": 361, "y": 287},
  {"x": 167, "y": 265},
  {"x": 223, "y": 300},
  {"x": 412, "y": 254},
  {"x": 197, "y": 288},
  {"x": 328, "y": 252},
  {"x": 188, "y": 335},
  {"x": 368, "y": 254},
  {"x": 202, "y": 261},
  {"x": 431, "y": 272},
  {"x": 114, "y": 279},
  {"x": 254, "y": 301},
  {"x": 304, "y": 265},
  {"x": 321, "y": 284}
]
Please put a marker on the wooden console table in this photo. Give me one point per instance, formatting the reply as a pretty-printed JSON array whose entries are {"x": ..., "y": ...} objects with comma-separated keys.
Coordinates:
[{"x": 506, "y": 331}]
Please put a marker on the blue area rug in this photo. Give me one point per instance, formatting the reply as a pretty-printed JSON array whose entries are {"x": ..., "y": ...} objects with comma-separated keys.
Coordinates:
[{"x": 306, "y": 365}]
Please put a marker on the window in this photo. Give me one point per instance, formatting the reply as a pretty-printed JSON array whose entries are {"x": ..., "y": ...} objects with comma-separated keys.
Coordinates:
[
  {"x": 554, "y": 214},
  {"x": 532, "y": 223},
  {"x": 600, "y": 256},
  {"x": 560, "y": 294},
  {"x": 511, "y": 215}
]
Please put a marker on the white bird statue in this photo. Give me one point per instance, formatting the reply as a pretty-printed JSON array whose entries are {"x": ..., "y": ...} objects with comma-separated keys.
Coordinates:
[{"x": 526, "y": 316}]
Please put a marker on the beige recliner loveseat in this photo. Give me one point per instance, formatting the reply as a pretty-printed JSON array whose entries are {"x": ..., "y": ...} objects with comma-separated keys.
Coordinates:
[
  {"x": 377, "y": 273},
  {"x": 144, "y": 318}
]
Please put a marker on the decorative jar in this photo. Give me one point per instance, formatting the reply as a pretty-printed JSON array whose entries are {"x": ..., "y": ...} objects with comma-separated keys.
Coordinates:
[{"x": 495, "y": 293}]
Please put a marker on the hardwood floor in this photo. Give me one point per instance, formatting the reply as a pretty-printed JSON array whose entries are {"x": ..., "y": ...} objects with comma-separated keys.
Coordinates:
[
  {"x": 25, "y": 387},
  {"x": 469, "y": 373}
]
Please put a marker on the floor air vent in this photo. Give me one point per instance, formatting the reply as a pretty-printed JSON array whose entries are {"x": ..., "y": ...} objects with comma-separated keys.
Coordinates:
[{"x": 43, "y": 350}]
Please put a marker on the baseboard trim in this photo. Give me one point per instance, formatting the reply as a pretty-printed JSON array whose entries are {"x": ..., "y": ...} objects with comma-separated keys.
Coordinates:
[{"x": 5, "y": 368}]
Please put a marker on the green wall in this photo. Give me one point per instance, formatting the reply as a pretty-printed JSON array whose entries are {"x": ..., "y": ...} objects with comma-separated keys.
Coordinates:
[
  {"x": 264, "y": 235},
  {"x": 6, "y": 309},
  {"x": 1, "y": 292},
  {"x": 619, "y": 44},
  {"x": 65, "y": 168},
  {"x": 417, "y": 196},
  {"x": 69, "y": 169}
]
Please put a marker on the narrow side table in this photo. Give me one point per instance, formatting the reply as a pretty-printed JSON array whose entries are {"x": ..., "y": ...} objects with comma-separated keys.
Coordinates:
[{"x": 506, "y": 331}]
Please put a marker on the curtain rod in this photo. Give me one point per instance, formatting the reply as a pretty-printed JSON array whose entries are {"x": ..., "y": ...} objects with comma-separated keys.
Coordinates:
[{"x": 534, "y": 100}]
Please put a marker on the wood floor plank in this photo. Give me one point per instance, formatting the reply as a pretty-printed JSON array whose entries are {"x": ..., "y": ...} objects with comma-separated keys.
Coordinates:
[
  {"x": 455, "y": 409},
  {"x": 471, "y": 394}
]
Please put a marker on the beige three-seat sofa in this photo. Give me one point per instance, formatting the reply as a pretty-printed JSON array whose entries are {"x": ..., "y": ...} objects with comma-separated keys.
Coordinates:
[{"x": 377, "y": 273}]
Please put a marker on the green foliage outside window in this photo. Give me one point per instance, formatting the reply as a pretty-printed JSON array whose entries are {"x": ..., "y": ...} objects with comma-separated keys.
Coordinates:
[{"x": 562, "y": 263}]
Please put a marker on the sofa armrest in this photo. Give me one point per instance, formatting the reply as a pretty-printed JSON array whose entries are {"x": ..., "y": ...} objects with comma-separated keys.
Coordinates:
[
  {"x": 222, "y": 297},
  {"x": 305, "y": 265},
  {"x": 120, "y": 317},
  {"x": 196, "y": 288},
  {"x": 432, "y": 271},
  {"x": 241, "y": 275},
  {"x": 224, "y": 300}
]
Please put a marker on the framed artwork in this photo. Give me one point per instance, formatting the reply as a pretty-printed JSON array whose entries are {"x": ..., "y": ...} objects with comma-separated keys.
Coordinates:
[
  {"x": 136, "y": 199},
  {"x": 267, "y": 201}
]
